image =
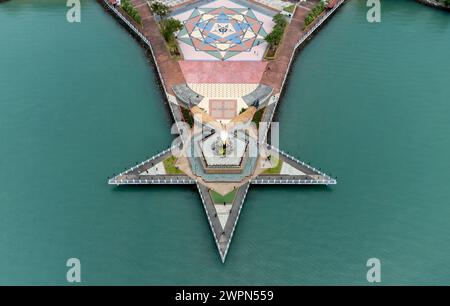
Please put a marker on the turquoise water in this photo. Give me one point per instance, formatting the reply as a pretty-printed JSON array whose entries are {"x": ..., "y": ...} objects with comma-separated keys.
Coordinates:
[{"x": 368, "y": 103}]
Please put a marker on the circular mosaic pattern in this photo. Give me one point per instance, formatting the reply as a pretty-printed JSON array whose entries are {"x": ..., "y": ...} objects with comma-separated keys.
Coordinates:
[{"x": 222, "y": 32}]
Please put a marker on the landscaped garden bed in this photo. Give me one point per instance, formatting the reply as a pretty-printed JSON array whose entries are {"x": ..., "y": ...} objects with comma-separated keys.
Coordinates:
[
  {"x": 314, "y": 13},
  {"x": 276, "y": 169},
  {"x": 258, "y": 116},
  {"x": 167, "y": 26},
  {"x": 187, "y": 116},
  {"x": 220, "y": 199},
  {"x": 169, "y": 166},
  {"x": 274, "y": 38},
  {"x": 131, "y": 11}
]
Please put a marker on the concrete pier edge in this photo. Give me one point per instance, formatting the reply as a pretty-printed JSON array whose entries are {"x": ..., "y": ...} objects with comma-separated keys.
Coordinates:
[{"x": 268, "y": 116}]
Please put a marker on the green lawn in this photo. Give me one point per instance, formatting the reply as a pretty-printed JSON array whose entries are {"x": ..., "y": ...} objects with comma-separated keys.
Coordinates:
[
  {"x": 289, "y": 9},
  {"x": 169, "y": 165},
  {"x": 276, "y": 169},
  {"x": 220, "y": 199}
]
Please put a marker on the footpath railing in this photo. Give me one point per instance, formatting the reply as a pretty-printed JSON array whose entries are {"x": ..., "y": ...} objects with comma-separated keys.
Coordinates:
[
  {"x": 209, "y": 220},
  {"x": 166, "y": 151},
  {"x": 235, "y": 222},
  {"x": 176, "y": 112},
  {"x": 281, "y": 181},
  {"x": 281, "y": 152},
  {"x": 162, "y": 180},
  {"x": 141, "y": 36},
  {"x": 302, "y": 39},
  {"x": 305, "y": 36}
]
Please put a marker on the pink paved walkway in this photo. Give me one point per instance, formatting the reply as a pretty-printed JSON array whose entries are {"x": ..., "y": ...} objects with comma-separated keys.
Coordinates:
[
  {"x": 170, "y": 70},
  {"x": 277, "y": 68},
  {"x": 223, "y": 72}
]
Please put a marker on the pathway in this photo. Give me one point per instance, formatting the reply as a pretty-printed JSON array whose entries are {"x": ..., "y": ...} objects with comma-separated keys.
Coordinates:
[
  {"x": 276, "y": 69},
  {"x": 169, "y": 67}
]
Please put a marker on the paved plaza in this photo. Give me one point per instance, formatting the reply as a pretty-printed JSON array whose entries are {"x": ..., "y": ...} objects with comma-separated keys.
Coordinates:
[{"x": 223, "y": 72}]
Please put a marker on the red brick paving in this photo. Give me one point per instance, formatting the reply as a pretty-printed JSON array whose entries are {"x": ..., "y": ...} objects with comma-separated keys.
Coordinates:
[
  {"x": 223, "y": 72},
  {"x": 270, "y": 73},
  {"x": 169, "y": 67},
  {"x": 277, "y": 68}
]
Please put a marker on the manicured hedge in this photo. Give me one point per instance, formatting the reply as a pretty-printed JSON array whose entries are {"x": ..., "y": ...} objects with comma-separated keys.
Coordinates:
[
  {"x": 131, "y": 10},
  {"x": 274, "y": 38},
  {"x": 314, "y": 13}
]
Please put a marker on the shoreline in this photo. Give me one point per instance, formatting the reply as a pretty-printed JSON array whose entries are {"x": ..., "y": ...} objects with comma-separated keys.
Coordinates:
[
  {"x": 306, "y": 36},
  {"x": 149, "y": 53},
  {"x": 171, "y": 75},
  {"x": 434, "y": 4}
]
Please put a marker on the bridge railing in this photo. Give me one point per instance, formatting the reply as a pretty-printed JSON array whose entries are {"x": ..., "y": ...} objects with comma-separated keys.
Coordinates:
[{"x": 299, "y": 162}]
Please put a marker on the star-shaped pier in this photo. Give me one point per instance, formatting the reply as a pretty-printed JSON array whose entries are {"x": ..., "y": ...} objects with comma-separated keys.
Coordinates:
[
  {"x": 223, "y": 83},
  {"x": 222, "y": 216}
]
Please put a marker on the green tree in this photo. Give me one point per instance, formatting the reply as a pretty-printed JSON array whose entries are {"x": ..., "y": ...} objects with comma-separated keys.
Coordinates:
[
  {"x": 314, "y": 13},
  {"x": 131, "y": 10},
  {"x": 160, "y": 9},
  {"x": 280, "y": 20},
  {"x": 274, "y": 38},
  {"x": 169, "y": 27}
]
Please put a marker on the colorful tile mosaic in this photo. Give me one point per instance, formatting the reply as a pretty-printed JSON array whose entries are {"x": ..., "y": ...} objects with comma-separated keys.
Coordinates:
[{"x": 222, "y": 32}]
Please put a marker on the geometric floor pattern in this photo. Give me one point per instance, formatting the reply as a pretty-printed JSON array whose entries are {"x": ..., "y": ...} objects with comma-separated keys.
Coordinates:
[{"x": 222, "y": 32}]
